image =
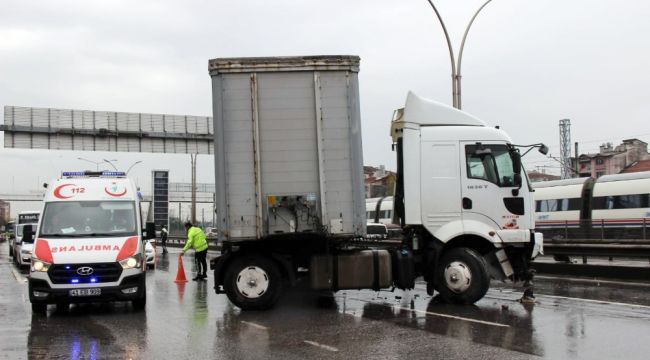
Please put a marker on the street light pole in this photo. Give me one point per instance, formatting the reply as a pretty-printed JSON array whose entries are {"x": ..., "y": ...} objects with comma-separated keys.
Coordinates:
[
  {"x": 193, "y": 212},
  {"x": 131, "y": 167},
  {"x": 97, "y": 162},
  {"x": 455, "y": 68},
  {"x": 109, "y": 161}
]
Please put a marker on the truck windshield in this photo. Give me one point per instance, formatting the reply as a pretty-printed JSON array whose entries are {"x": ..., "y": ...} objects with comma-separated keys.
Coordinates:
[
  {"x": 89, "y": 219},
  {"x": 492, "y": 163}
]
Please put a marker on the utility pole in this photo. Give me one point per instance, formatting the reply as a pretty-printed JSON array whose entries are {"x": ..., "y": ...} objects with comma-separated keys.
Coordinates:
[
  {"x": 193, "y": 214},
  {"x": 577, "y": 170},
  {"x": 214, "y": 209},
  {"x": 565, "y": 148}
]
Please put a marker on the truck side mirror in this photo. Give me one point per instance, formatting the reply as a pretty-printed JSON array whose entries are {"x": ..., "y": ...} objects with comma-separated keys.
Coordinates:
[
  {"x": 516, "y": 164},
  {"x": 149, "y": 231},
  {"x": 543, "y": 149},
  {"x": 28, "y": 234}
]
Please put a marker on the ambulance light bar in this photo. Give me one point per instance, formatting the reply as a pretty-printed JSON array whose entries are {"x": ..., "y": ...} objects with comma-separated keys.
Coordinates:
[{"x": 78, "y": 174}]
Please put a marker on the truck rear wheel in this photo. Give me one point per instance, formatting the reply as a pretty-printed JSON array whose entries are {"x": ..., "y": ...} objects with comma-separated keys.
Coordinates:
[
  {"x": 462, "y": 276},
  {"x": 253, "y": 283}
]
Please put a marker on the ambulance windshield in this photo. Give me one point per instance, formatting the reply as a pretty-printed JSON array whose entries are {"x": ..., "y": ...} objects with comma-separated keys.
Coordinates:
[{"x": 89, "y": 219}]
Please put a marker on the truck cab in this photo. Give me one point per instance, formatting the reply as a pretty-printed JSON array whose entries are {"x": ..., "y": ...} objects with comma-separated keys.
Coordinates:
[
  {"x": 461, "y": 197},
  {"x": 89, "y": 243}
]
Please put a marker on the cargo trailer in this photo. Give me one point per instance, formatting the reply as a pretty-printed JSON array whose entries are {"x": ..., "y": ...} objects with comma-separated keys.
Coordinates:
[{"x": 290, "y": 193}]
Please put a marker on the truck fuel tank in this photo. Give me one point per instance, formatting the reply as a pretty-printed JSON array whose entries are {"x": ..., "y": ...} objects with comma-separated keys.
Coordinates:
[{"x": 364, "y": 269}]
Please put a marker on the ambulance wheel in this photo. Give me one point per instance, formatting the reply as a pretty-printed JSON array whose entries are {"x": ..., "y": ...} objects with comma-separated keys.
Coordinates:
[
  {"x": 462, "y": 277},
  {"x": 40, "y": 309},
  {"x": 62, "y": 307},
  {"x": 253, "y": 283},
  {"x": 141, "y": 303}
]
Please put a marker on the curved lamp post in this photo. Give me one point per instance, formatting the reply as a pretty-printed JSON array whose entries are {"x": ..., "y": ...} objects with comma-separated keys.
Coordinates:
[
  {"x": 131, "y": 167},
  {"x": 97, "y": 162},
  {"x": 455, "y": 67},
  {"x": 113, "y": 165}
]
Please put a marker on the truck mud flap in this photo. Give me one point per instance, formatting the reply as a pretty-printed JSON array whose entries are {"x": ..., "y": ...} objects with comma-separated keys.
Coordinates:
[{"x": 403, "y": 269}]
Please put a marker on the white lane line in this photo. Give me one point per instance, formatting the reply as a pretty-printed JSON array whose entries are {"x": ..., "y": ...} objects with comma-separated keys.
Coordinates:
[
  {"x": 322, "y": 346},
  {"x": 19, "y": 278},
  {"x": 456, "y": 317},
  {"x": 542, "y": 296},
  {"x": 595, "y": 281},
  {"x": 257, "y": 326},
  {"x": 601, "y": 302},
  {"x": 439, "y": 314}
]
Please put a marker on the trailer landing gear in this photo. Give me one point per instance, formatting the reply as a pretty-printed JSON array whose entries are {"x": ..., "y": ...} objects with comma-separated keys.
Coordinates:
[{"x": 528, "y": 297}]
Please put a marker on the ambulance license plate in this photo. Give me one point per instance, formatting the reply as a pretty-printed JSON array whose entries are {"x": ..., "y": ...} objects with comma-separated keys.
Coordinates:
[{"x": 85, "y": 292}]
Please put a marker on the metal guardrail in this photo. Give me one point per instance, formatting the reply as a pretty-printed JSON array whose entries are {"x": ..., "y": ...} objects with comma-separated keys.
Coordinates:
[
  {"x": 600, "y": 229},
  {"x": 609, "y": 238},
  {"x": 610, "y": 248}
]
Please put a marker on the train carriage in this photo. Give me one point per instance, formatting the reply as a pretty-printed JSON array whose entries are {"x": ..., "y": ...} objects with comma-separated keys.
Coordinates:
[{"x": 610, "y": 207}]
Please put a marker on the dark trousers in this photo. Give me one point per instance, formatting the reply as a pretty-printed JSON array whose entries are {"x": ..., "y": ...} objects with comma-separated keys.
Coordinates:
[{"x": 201, "y": 262}]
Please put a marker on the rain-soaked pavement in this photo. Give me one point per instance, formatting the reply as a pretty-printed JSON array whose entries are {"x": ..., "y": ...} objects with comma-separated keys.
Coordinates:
[{"x": 571, "y": 320}]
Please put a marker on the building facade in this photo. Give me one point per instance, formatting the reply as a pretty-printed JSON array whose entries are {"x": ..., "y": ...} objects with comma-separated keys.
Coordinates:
[
  {"x": 378, "y": 181},
  {"x": 5, "y": 212},
  {"x": 611, "y": 160},
  {"x": 537, "y": 176}
]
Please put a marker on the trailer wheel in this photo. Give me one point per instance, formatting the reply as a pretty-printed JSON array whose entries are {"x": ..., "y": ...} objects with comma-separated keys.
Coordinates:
[
  {"x": 462, "y": 276},
  {"x": 253, "y": 283}
]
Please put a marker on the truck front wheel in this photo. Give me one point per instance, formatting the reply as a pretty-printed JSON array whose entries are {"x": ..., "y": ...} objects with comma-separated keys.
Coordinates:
[
  {"x": 462, "y": 276},
  {"x": 253, "y": 283}
]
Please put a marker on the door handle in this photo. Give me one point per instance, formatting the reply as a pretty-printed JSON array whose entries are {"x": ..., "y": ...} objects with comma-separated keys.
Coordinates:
[{"x": 467, "y": 203}]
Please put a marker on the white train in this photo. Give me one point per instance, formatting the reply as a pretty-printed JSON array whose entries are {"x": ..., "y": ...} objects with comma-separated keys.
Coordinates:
[
  {"x": 610, "y": 207},
  {"x": 380, "y": 210}
]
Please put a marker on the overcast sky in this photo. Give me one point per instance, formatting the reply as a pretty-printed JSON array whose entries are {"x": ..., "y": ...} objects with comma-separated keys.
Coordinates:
[{"x": 526, "y": 65}]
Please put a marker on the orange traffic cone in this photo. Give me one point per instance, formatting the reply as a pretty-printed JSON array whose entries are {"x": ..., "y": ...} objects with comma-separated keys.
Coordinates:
[{"x": 180, "y": 275}]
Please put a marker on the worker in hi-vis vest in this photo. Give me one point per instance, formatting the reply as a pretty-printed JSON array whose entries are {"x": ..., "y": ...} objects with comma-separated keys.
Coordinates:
[{"x": 196, "y": 240}]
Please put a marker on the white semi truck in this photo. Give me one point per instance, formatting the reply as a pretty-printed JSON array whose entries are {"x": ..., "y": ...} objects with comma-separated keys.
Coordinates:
[{"x": 290, "y": 191}]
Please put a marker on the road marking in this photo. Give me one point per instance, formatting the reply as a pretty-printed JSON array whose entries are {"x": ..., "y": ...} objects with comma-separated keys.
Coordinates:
[
  {"x": 439, "y": 314},
  {"x": 601, "y": 302},
  {"x": 322, "y": 346},
  {"x": 258, "y": 326},
  {"x": 610, "y": 282},
  {"x": 456, "y": 317},
  {"x": 19, "y": 278},
  {"x": 542, "y": 296}
]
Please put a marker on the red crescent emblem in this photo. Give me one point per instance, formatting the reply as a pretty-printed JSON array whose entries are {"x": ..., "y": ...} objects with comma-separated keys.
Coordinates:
[
  {"x": 57, "y": 191},
  {"x": 115, "y": 194}
]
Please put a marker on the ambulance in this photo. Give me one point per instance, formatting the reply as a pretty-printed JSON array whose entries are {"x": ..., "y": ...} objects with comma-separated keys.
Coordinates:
[{"x": 89, "y": 244}]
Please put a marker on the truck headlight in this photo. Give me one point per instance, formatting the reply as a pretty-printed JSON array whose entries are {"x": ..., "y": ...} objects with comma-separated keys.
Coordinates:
[
  {"x": 40, "y": 265},
  {"x": 131, "y": 262}
]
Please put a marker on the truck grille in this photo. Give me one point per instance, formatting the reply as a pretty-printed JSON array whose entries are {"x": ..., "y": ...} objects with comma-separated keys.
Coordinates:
[{"x": 101, "y": 273}]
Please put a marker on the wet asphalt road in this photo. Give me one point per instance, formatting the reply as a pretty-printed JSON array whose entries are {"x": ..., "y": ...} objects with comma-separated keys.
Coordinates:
[{"x": 571, "y": 320}]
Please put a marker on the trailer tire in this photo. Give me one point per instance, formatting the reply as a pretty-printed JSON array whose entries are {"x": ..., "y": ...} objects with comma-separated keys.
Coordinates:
[
  {"x": 253, "y": 282},
  {"x": 462, "y": 276}
]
